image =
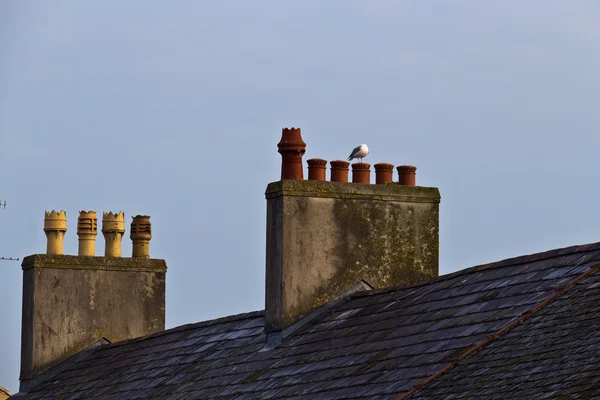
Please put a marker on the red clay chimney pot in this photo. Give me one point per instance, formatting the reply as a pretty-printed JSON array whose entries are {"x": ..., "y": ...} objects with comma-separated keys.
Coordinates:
[
  {"x": 361, "y": 173},
  {"x": 317, "y": 169},
  {"x": 339, "y": 171},
  {"x": 383, "y": 173},
  {"x": 292, "y": 148},
  {"x": 407, "y": 175}
]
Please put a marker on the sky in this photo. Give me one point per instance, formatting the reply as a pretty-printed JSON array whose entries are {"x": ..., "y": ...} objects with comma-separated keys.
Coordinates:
[{"x": 174, "y": 109}]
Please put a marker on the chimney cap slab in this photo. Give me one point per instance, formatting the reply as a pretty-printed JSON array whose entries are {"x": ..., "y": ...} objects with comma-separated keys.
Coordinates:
[
  {"x": 338, "y": 190},
  {"x": 126, "y": 264}
]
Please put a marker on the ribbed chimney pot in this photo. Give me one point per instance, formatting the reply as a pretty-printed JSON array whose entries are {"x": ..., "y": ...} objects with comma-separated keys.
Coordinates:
[
  {"x": 317, "y": 169},
  {"x": 87, "y": 229},
  {"x": 361, "y": 173},
  {"x": 55, "y": 226},
  {"x": 113, "y": 229},
  {"x": 292, "y": 148},
  {"x": 383, "y": 173},
  {"x": 339, "y": 171},
  {"x": 407, "y": 175},
  {"x": 141, "y": 234}
]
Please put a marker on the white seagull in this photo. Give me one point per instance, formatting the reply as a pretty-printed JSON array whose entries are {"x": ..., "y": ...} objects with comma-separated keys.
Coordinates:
[{"x": 360, "y": 152}]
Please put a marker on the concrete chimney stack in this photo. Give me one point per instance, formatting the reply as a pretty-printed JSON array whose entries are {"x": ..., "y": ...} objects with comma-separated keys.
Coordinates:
[
  {"x": 141, "y": 234},
  {"x": 71, "y": 302},
  {"x": 55, "y": 226},
  {"x": 325, "y": 238},
  {"x": 87, "y": 229}
]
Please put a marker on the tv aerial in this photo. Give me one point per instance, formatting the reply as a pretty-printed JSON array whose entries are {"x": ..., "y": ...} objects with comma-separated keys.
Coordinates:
[{"x": 3, "y": 205}]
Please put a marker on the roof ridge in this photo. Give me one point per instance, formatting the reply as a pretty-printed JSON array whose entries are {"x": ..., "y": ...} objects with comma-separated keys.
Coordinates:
[
  {"x": 494, "y": 335},
  {"x": 544, "y": 255},
  {"x": 220, "y": 320},
  {"x": 193, "y": 325}
]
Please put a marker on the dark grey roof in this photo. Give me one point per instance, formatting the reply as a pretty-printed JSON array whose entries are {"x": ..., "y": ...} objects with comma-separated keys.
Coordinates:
[
  {"x": 553, "y": 354},
  {"x": 525, "y": 326}
]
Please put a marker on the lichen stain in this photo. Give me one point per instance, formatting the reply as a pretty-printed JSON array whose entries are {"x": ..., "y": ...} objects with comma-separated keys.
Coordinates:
[
  {"x": 92, "y": 293},
  {"x": 384, "y": 243}
]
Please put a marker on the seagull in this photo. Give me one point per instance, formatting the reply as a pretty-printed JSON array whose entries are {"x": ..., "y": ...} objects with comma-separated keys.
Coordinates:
[{"x": 360, "y": 152}]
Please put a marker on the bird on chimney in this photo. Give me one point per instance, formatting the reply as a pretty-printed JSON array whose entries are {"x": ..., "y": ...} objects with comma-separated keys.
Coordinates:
[{"x": 359, "y": 152}]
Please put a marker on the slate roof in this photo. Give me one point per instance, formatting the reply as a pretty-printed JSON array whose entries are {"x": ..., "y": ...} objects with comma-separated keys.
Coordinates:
[{"x": 525, "y": 326}]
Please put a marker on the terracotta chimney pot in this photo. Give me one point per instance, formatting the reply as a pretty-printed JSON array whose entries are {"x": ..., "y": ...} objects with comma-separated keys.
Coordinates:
[
  {"x": 407, "y": 175},
  {"x": 383, "y": 173},
  {"x": 339, "y": 171},
  {"x": 361, "y": 173},
  {"x": 141, "y": 233},
  {"x": 317, "y": 169},
  {"x": 292, "y": 148}
]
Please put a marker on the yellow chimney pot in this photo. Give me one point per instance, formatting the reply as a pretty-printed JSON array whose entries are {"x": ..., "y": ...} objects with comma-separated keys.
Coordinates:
[
  {"x": 113, "y": 229},
  {"x": 87, "y": 229},
  {"x": 55, "y": 226}
]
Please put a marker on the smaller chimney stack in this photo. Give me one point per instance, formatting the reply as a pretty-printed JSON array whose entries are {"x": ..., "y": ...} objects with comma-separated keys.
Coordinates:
[
  {"x": 383, "y": 173},
  {"x": 113, "y": 229},
  {"x": 55, "y": 226},
  {"x": 70, "y": 302},
  {"x": 141, "y": 233},
  {"x": 407, "y": 175},
  {"x": 87, "y": 229},
  {"x": 292, "y": 148},
  {"x": 361, "y": 173},
  {"x": 317, "y": 169},
  {"x": 339, "y": 171}
]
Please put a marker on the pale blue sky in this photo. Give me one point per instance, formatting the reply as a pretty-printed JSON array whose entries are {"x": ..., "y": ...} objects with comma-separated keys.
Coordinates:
[{"x": 174, "y": 109}]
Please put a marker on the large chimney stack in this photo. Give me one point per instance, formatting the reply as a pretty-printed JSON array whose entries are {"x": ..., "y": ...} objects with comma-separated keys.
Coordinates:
[
  {"x": 325, "y": 237},
  {"x": 70, "y": 302}
]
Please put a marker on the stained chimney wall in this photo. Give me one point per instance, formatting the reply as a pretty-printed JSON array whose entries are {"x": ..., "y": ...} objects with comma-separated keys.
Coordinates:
[
  {"x": 324, "y": 237},
  {"x": 70, "y": 302}
]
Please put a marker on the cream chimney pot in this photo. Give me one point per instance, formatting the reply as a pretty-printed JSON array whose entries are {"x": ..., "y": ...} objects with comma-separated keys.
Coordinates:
[
  {"x": 55, "y": 226},
  {"x": 113, "y": 229},
  {"x": 87, "y": 229}
]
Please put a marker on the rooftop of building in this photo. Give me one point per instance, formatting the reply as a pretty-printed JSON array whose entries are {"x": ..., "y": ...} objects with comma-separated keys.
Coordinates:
[{"x": 519, "y": 327}]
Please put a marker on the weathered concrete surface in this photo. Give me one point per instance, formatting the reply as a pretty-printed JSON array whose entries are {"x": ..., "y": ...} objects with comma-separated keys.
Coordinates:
[
  {"x": 323, "y": 237},
  {"x": 70, "y": 302}
]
